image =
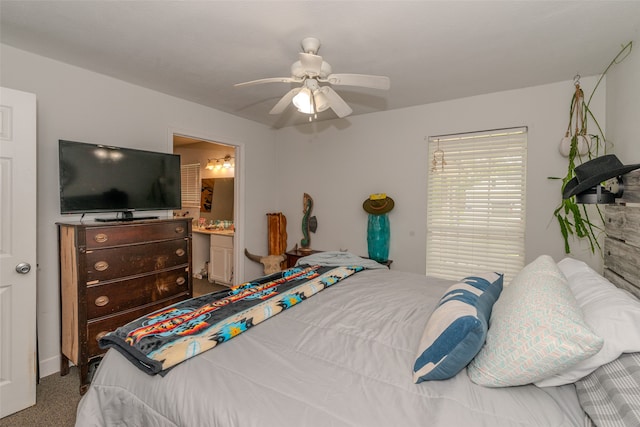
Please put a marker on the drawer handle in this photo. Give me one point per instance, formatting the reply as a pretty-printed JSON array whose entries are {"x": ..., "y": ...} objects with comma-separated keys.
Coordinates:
[
  {"x": 180, "y": 281},
  {"x": 101, "y": 334},
  {"x": 180, "y": 252},
  {"x": 100, "y": 238},
  {"x": 101, "y": 265},
  {"x": 179, "y": 229},
  {"x": 102, "y": 300}
]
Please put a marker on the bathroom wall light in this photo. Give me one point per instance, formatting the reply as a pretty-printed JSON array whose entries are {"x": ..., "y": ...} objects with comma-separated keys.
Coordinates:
[
  {"x": 227, "y": 162},
  {"x": 217, "y": 164}
]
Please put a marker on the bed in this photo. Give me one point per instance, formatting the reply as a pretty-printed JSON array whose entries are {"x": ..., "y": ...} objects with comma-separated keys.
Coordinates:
[{"x": 360, "y": 353}]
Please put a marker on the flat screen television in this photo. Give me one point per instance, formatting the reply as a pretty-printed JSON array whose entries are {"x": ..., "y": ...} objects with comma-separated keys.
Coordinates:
[{"x": 103, "y": 178}]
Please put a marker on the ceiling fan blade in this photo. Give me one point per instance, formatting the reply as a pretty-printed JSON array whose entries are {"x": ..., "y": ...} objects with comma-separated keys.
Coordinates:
[
  {"x": 363, "y": 80},
  {"x": 285, "y": 101},
  {"x": 311, "y": 63},
  {"x": 336, "y": 103},
  {"x": 270, "y": 80}
]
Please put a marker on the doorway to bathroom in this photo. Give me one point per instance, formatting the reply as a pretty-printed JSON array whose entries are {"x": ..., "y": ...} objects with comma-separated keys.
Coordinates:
[{"x": 211, "y": 169}]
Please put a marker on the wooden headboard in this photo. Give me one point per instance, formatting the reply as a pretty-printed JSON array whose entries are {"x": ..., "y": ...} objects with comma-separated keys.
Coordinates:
[{"x": 622, "y": 243}]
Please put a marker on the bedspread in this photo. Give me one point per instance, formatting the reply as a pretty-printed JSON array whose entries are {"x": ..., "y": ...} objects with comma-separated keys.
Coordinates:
[{"x": 344, "y": 358}]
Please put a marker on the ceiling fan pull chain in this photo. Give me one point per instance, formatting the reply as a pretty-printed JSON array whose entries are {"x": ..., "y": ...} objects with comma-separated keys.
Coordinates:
[{"x": 314, "y": 108}]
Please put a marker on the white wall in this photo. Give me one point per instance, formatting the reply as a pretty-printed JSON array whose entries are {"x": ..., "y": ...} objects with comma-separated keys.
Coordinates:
[
  {"x": 623, "y": 107},
  {"x": 81, "y": 105},
  {"x": 340, "y": 163}
]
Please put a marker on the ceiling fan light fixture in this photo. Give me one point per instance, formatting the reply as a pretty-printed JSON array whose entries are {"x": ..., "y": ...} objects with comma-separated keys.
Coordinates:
[
  {"x": 303, "y": 101},
  {"x": 311, "y": 69},
  {"x": 321, "y": 100}
]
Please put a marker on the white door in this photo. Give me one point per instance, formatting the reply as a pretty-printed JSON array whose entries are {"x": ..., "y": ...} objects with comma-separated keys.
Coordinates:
[{"x": 18, "y": 360}]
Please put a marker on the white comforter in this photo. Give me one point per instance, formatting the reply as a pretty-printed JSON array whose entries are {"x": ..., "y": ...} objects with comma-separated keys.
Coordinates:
[{"x": 342, "y": 358}]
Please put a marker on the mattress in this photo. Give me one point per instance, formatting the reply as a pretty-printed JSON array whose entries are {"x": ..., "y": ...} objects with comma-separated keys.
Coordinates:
[{"x": 341, "y": 358}]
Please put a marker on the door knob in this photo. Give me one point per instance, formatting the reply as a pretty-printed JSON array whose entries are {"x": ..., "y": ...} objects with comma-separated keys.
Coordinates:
[{"x": 23, "y": 268}]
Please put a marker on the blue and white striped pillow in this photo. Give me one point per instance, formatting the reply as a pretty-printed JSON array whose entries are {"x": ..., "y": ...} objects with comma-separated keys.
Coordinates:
[{"x": 456, "y": 330}]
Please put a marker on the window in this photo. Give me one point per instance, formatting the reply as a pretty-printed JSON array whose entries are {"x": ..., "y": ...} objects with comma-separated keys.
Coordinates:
[
  {"x": 190, "y": 182},
  {"x": 476, "y": 203}
]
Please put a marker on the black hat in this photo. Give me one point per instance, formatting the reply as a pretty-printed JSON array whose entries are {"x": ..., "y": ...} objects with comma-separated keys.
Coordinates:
[
  {"x": 378, "y": 204},
  {"x": 592, "y": 173}
]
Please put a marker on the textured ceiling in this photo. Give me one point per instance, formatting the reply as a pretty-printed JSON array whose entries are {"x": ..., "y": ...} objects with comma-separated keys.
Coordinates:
[{"x": 431, "y": 50}]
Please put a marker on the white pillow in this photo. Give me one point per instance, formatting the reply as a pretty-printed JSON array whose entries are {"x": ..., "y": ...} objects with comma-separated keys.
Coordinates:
[
  {"x": 612, "y": 313},
  {"x": 536, "y": 330}
]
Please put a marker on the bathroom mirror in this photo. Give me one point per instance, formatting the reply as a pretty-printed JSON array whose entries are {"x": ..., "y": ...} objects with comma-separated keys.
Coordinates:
[{"x": 217, "y": 199}]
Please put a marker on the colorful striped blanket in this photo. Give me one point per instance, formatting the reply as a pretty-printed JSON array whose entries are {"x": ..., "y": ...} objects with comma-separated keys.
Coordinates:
[{"x": 159, "y": 341}]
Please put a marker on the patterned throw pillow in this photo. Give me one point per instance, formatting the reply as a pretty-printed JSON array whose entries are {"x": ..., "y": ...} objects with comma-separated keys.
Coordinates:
[
  {"x": 608, "y": 310},
  {"x": 457, "y": 328},
  {"x": 536, "y": 330}
]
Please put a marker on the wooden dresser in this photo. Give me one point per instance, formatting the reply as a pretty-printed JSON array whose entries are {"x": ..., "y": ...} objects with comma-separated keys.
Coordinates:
[{"x": 113, "y": 273}]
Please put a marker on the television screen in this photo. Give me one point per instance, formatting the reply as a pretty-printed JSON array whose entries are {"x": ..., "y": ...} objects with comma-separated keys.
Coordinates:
[{"x": 101, "y": 178}]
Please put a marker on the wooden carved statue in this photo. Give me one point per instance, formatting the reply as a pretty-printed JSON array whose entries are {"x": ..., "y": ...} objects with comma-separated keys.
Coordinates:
[
  {"x": 276, "y": 260},
  {"x": 309, "y": 223}
]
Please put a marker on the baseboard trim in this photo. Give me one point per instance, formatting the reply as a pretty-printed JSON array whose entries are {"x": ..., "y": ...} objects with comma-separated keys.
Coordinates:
[{"x": 49, "y": 366}]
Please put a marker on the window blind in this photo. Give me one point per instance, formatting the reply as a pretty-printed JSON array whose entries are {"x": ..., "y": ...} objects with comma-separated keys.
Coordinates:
[
  {"x": 476, "y": 204},
  {"x": 190, "y": 183}
]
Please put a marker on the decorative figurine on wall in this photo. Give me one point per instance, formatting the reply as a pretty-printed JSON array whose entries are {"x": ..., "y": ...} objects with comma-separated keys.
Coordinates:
[
  {"x": 309, "y": 223},
  {"x": 378, "y": 231}
]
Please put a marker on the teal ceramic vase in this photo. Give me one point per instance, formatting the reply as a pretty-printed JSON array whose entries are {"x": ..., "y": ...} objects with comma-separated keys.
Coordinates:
[{"x": 378, "y": 233}]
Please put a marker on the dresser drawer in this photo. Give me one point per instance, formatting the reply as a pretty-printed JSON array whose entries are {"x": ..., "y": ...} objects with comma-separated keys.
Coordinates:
[
  {"x": 103, "y": 237},
  {"x": 134, "y": 260},
  {"x": 97, "y": 328},
  {"x": 110, "y": 297}
]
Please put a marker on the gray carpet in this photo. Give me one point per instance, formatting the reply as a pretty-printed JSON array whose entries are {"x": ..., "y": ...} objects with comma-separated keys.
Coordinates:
[
  {"x": 57, "y": 397},
  {"x": 56, "y": 402},
  {"x": 202, "y": 286}
]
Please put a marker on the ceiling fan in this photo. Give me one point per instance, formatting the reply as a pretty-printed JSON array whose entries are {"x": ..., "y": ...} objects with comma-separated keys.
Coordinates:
[{"x": 311, "y": 71}]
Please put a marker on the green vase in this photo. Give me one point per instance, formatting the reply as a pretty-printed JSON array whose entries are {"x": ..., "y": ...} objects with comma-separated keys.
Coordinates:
[{"x": 378, "y": 233}]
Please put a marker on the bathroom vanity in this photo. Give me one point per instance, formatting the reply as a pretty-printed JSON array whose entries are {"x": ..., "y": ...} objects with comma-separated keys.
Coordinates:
[{"x": 216, "y": 248}]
